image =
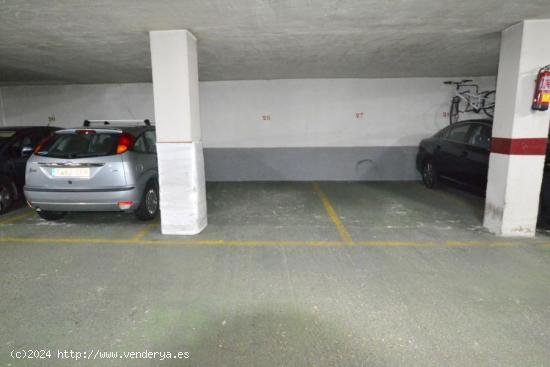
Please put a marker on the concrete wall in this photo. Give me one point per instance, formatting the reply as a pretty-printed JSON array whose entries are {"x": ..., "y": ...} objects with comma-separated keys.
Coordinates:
[
  {"x": 3, "y": 121},
  {"x": 72, "y": 104},
  {"x": 322, "y": 129}
]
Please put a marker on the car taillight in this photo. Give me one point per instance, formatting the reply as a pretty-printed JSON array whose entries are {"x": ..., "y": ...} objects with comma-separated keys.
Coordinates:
[{"x": 125, "y": 142}]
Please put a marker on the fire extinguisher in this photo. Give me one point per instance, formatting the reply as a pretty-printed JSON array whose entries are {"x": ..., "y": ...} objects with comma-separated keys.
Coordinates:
[{"x": 542, "y": 90}]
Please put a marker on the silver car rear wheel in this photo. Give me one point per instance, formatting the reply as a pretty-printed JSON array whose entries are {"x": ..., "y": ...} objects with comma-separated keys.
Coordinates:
[
  {"x": 149, "y": 206},
  {"x": 151, "y": 201}
]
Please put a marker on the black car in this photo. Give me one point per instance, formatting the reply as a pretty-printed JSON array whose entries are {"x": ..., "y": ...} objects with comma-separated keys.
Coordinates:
[
  {"x": 460, "y": 153},
  {"x": 16, "y": 145}
]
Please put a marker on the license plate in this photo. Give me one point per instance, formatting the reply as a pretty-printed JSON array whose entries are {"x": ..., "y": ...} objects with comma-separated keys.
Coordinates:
[{"x": 71, "y": 172}]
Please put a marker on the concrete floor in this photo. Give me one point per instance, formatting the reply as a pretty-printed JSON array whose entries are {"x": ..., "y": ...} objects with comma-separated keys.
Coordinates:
[{"x": 286, "y": 274}]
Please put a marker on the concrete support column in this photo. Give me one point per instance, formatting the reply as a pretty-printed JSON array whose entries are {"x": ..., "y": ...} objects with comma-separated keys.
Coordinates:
[
  {"x": 179, "y": 148},
  {"x": 520, "y": 135}
]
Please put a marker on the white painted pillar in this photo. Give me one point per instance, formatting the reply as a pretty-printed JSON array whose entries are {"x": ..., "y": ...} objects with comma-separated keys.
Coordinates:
[
  {"x": 179, "y": 148},
  {"x": 519, "y": 134}
]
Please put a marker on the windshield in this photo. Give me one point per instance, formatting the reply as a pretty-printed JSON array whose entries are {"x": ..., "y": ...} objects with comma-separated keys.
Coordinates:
[
  {"x": 79, "y": 145},
  {"x": 5, "y": 136}
]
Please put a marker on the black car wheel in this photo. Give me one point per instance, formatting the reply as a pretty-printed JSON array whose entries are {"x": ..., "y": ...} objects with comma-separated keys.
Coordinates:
[
  {"x": 7, "y": 194},
  {"x": 429, "y": 175},
  {"x": 49, "y": 215},
  {"x": 149, "y": 206}
]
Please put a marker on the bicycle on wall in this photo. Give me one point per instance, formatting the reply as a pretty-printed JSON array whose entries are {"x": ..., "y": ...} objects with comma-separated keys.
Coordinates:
[{"x": 468, "y": 98}]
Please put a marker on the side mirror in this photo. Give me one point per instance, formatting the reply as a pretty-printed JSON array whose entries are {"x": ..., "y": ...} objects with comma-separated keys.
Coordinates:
[{"x": 26, "y": 151}]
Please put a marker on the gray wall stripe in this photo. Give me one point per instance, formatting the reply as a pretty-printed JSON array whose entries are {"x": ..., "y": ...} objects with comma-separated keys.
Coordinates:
[{"x": 386, "y": 163}]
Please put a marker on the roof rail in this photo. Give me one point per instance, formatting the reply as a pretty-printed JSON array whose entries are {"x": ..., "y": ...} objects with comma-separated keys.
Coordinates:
[{"x": 109, "y": 122}]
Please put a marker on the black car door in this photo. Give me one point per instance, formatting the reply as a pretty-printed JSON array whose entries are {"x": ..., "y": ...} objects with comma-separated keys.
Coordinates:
[
  {"x": 476, "y": 161},
  {"x": 19, "y": 161},
  {"x": 453, "y": 151}
]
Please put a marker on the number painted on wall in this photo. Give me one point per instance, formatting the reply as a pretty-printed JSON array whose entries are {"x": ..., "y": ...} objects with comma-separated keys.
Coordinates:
[
  {"x": 359, "y": 115},
  {"x": 266, "y": 117}
]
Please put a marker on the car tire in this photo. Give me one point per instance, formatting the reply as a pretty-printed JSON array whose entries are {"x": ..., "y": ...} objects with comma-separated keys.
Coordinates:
[
  {"x": 149, "y": 207},
  {"x": 49, "y": 215},
  {"x": 430, "y": 177},
  {"x": 8, "y": 195}
]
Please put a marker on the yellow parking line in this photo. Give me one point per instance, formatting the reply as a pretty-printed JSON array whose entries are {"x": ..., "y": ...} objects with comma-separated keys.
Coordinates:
[
  {"x": 145, "y": 231},
  {"x": 107, "y": 241},
  {"x": 344, "y": 234},
  {"x": 396, "y": 244},
  {"x": 262, "y": 243},
  {"x": 480, "y": 244},
  {"x": 448, "y": 244},
  {"x": 17, "y": 218}
]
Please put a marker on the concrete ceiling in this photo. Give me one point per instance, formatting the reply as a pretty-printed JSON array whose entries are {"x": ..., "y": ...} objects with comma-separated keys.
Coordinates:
[{"x": 97, "y": 41}]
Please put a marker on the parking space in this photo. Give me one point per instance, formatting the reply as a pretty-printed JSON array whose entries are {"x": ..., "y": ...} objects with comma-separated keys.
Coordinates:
[
  {"x": 292, "y": 214},
  {"x": 408, "y": 212},
  {"x": 305, "y": 273}
]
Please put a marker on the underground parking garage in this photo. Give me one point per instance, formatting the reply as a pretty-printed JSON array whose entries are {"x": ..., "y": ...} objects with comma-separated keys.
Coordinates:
[{"x": 274, "y": 184}]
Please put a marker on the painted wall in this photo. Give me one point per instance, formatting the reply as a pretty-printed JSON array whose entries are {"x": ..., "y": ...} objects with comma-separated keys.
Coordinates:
[
  {"x": 322, "y": 129},
  {"x": 2, "y": 110},
  {"x": 72, "y": 104},
  {"x": 320, "y": 113}
]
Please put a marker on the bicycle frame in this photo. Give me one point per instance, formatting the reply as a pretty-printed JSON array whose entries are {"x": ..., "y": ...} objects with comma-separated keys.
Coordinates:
[
  {"x": 468, "y": 98},
  {"x": 474, "y": 102}
]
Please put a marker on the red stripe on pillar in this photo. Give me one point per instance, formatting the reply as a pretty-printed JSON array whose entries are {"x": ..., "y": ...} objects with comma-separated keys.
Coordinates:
[{"x": 527, "y": 146}]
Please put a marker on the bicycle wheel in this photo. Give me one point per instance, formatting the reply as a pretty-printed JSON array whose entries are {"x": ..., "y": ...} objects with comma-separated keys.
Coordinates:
[
  {"x": 488, "y": 103},
  {"x": 453, "y": 113}
]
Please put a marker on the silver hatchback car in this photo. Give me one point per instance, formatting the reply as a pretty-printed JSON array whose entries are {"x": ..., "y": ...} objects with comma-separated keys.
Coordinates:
[{"x": 109, "y": 168}]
